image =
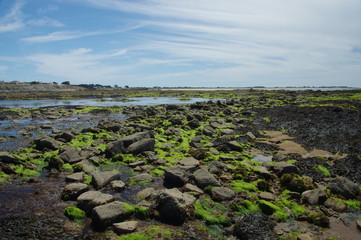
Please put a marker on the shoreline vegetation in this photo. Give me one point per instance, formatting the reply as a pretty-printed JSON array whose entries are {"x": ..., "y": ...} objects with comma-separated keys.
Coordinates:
[{"x": 259, "y": 164}]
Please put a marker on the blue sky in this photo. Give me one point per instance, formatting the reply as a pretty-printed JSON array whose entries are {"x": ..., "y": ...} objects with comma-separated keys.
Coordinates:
[{"x": 196, "y": 43}]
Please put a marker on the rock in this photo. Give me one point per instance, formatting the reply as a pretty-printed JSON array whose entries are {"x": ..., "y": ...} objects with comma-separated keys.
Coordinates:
[
  {"x": 344, "y": 187},
  {"x": 208, "y": 131},
  {"x": 73, "y": 190},
  {"x": 194, "y": 190},
  {"x": 262, "y": 171},
  {"x": 235, "y": 146},
  {"x": 67, "y": 136},
  {"x": 128, "y": 140},
  {"x": 70, "y": 155},
  {"x": 358, "y": 224},
  {"x": 141, "y": 146},
  {"x": 47, "y": 142},
  {"x": 280, "y": 156},
  {"x": 101, "y": 179},
  {"x": 251, "y": 135},
  {"x": 222, "y": 194},
  {"x": 91, "y": 199},
  {"x": 174, "y": 206},
  {"x": 6, "y": 157},
  {"x": 141, "y": 178},
  {"x": 313, "y": 197},
  {"x": 217, "y": 167},
  {"x": 305, "y": 236},
  {"x": 254, "y": 226},
  {"x": 117, "y": 185},
  {"x": 194, "y": 123},
  {"x": 337, "y": 206},
  {"x": 75, "y": 177},
  {"x": 192, "y": 162},
  {"x": 125, "y": 227},
  {"x": 145, "y": 194},
  {"x": 105, "y": 215},
  {"x": 284, "y": 167},
  {"x": 86, "y": 166},
  {"x": 175, "y": 176},
  {"x": 227, "y": 132},
  {"x": 115, "y": 148},
  {"x": 203, "y": 178},
  {"x": 136, "y": 164},
  {"x": 267, "y": 196}
]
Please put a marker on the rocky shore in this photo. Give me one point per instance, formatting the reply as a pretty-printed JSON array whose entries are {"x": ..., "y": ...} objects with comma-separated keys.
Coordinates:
[{"x": 261, "y": 165}]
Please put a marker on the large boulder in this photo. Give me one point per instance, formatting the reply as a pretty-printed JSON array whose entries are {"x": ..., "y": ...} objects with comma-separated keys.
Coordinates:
[
  {"x": 115, "y": 148},
  {"x": 91, "y": 199},
  {"x": 47, "y": 143},
  {"x": 284, "y": 167},
  {"x": 222, "y": 194},
  {"x": 6, "y": 157},
  {"x": 203, "y": 178},
  {"x": 143, "y": 145},
  {"x": 73, "y": 190},
  {"x": 174, "y": 206},
  {"x": 175, "y": 176},
  {"x": 344, "y": 187},
  {"x": 128, "y": 140},
  {"x": 70, "y": 155},
  {"x": 101, "y": 179},
  {"x": 105, "y": 215},
  {"x": 315, "y": 196}
]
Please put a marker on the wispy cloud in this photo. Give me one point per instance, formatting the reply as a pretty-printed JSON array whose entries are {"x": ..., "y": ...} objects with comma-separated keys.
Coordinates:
[
  {"x": 3, "y": 68},
  {"x": 49, "y": 8},
  {"x": 45, "y": 21},
  {"x": 262, "y": 38},
  {"x": 13, "y": 20},
  {"x": 67, "y": 35},
  {"x": 80, "y": 65}
]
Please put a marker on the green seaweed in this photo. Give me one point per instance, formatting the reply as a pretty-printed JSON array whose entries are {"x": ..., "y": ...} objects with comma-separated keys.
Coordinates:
[
  {"x": 324, "y": 170},
  {"x": 74, "y": 213},
  {"x": 272, "y": 209},
  {"x": 212, "y": 212}
]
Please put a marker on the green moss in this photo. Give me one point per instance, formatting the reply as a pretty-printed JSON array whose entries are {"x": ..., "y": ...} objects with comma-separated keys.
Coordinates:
[
  {"x": 324, "y": 170},
  {"x": 242, "y": 186},
  {"x": 285, "y": 202},
  {"x": 67, "y": 166},
  {"x": 266, "y": 119},
  {"x": 353, "y": 204},
  {"x": 157, "y": 172},
  {"x": 246, "y": 206},
  {"x": 212, "y": 212},
  {"x": 272, "y": 209},
  {"x": 134, "y": 236},
  {"x": 292, "y": 161},
  {"x": 25, "y": 172},
  {"x": 87, "y": 179},
  {"x": 74, "y": 213},
  {"x": 4, "y": 177},
  {"x": 140, "y": 212}
]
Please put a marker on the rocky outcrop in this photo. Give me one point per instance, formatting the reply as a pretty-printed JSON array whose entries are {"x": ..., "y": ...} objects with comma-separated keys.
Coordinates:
[
  {"x": 174, "y": 207},
  {"x": 204, "y": 179},
  {"x": 105, "y": 215},
  {"x": 91, "y": 199},
  {"x": 101, "y": 179},
  {"x": 73, "y": 190},
  {"x": 344, "y": 187},
  {"x": 70, "y": 155}
]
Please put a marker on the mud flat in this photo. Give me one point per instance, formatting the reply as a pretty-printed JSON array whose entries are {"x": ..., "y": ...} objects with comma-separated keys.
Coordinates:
[{"x": 258, "y": 165}]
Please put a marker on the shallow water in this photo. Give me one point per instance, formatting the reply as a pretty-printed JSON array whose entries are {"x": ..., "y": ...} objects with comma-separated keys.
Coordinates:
[{"x": 105, "y": 102}]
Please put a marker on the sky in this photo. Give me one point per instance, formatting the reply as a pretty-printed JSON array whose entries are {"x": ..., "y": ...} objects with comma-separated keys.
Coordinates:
[{"x": 187, "y": 43}]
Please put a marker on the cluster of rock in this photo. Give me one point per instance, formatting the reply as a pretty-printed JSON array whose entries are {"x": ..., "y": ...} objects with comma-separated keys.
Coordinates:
[{"x": 220, "y": 130}]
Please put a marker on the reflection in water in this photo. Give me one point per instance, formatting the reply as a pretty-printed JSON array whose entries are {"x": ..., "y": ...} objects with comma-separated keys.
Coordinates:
[{"x": 106, "y": 102}]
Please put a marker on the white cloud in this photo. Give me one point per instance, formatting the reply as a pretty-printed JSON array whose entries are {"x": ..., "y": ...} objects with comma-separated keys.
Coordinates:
[
  {"x": 286, "y": 39},
  {"x": 13, "y": 20},
  {"x": 49, "y": 8},
  {"x": 3, "y": 68},
  {"x": 45, "y": 21},
  {"x": 79, "y": 65}
]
